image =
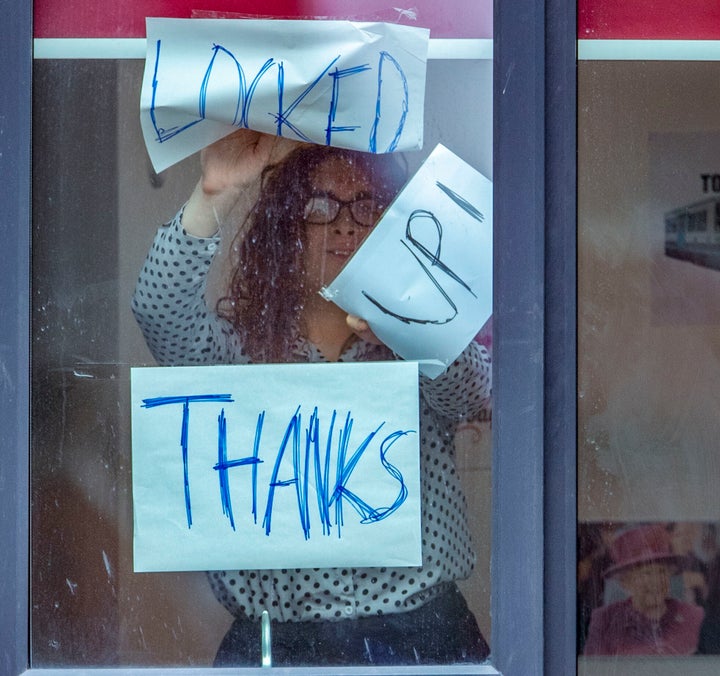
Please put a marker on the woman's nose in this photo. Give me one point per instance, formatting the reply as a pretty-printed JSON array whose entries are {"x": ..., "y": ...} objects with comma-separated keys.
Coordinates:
[{"x": 344, "y": 223}]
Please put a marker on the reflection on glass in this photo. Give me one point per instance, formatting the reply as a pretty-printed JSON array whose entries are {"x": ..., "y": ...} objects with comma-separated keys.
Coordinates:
[
  {"x": 649, "y": 619},
  {"x": 649, "y": 338}
]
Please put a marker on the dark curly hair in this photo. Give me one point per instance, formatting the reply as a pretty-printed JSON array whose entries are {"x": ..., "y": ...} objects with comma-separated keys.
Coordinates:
[{"x": 265, "y": 294}]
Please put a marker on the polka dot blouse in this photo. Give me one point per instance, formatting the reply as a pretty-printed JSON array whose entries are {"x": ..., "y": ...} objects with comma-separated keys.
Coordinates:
[{"x": 179, "y": 328}]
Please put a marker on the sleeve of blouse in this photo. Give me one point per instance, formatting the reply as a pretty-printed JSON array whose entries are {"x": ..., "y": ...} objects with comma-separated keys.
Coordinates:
[
  {"x": 464, "y": 389},
  {"x": 169, "y": 300}
]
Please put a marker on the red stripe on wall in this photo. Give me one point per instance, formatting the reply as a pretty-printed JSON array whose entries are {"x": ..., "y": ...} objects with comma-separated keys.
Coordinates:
[
  {"x": 126, "y": 18},
  {"x": 649, "y": 19}
]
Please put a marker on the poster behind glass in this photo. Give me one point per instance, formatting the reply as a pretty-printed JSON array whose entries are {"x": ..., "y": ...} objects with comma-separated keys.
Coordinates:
[
  {"x": 649, "y": 361},
  {"x": 97, "y": 202}
]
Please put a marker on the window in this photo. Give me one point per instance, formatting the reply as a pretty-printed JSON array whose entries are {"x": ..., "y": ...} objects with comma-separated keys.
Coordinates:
[
  {"x": 648, "y": 286},
  {"x": 520, "y": 550}
]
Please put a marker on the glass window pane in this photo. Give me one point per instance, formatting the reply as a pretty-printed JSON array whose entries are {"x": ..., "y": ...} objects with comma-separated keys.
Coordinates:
[
  {"x": 648, "y": 365},
  {"x": 96, "y": 205}
]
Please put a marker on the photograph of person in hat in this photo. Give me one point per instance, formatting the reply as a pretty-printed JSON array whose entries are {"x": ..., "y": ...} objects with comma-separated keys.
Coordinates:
[{"x": 649, "y": 621}]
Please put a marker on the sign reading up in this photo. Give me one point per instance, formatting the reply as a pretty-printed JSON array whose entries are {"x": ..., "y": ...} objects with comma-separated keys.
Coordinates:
[
  {"x": 355, "y": 85},
  {"x": 275, "y": 466},
  {"x": 423, "y": 277}
]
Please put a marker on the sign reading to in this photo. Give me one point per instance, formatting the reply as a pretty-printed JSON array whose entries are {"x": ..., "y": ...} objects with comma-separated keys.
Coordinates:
[
  {"x": 423, "y": 277},
  {"x": 276, "y": 466},
  {"x": 355, "y": 85}
]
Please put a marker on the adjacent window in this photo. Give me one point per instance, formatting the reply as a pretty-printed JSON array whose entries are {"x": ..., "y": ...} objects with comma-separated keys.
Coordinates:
[{"x": 649, "y": 364}]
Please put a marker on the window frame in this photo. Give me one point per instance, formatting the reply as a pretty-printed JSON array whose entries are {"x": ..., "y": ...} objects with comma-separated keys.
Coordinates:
[
  {"x": 534, "y": 435},
  {"x": 534, "y": 541}
]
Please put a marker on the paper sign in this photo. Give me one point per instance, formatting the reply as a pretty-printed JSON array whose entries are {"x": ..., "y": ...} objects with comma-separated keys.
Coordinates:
[
  {"x": 355, "y": 85},
  {"x": 423, "y": 277},
  {"x": 275, "y": 466}
]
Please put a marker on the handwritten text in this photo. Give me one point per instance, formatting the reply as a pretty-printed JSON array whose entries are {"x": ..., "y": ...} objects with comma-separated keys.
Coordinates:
[{"x": 315, "y": 460}]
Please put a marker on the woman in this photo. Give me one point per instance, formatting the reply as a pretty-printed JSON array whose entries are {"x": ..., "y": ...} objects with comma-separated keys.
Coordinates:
[{"x": 316, "y": 205}]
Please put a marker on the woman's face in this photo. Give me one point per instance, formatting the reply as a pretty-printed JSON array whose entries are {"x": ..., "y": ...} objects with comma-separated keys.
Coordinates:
[
  {"x": 342, "y": 211},
  {"x": 649, "y": 586}
]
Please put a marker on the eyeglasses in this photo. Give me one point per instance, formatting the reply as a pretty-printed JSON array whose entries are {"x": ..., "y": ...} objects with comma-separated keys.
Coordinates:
[{"x": 325, "y": 208}]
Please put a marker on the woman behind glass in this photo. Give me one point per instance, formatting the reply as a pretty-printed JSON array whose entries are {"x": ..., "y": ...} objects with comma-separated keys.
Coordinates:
[{"x": 316, "y": 205}]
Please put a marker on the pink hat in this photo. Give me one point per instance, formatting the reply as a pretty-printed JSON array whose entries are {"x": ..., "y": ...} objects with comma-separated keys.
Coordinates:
[{"x": 645, "y": 544}]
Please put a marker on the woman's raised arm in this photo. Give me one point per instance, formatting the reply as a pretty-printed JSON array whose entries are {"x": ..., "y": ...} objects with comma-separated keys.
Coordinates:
[{"x": 229, "y": 167}]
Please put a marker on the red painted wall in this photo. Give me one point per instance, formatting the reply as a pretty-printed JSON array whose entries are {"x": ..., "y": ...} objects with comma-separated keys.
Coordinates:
[
  {"x": 126, "y": 18},
  {"x": 649, "y": 19}
]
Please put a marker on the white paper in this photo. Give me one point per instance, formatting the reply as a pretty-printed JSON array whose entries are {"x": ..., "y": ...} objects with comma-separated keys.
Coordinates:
[
  {"x": 198, "y": 514},
  {"x": 423, "y": 277},
  {"x": 355, "y": 85}
]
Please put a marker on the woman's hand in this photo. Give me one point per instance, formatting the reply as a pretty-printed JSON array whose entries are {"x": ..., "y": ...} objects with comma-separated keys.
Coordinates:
[
  {"x": 235, "y": 162},
  {"x": 361, "y": 328},
  {"x": 230, "y": 167}
]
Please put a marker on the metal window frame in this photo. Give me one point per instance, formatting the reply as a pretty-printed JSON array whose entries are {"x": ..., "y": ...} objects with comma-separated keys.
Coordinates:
[
  {"x": 535, "y": 465},
  {"x": 534, "y": 470}
]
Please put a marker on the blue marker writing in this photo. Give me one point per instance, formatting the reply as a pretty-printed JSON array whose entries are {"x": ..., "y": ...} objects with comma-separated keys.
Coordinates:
[
  {"x": 310, "y": 455},
  {"x": 185, "y": 426},
  {"x": 284, "y": 112},
  {"x": 385, "y": 56},
  {"x": 337, "y": 75},
  {"x": 292, "y": 432},
  {"x": 223, "y": 464},
  {"x": 162, "y": 133},
  {"x": 245, "y": 93}
]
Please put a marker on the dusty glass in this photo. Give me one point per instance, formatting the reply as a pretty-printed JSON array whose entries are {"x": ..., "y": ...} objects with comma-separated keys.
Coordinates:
[
  {"x": 648, "y": 366},
  {"x": 96, "y": 205}
]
